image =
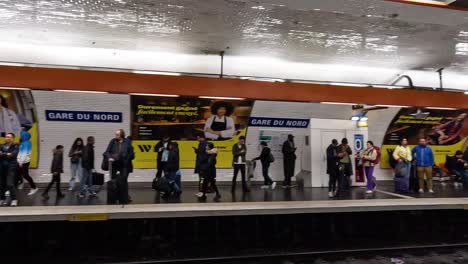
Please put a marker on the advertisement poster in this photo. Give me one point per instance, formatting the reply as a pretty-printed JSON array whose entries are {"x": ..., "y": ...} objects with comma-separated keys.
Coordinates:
[
  {"x": 17, "y": 113},
  {"x": 183, "y": 119},
  {"x": 446, "y": 131}
]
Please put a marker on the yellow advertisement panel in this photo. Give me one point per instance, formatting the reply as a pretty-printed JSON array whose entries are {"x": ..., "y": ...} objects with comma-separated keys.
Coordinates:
[
  {"x": 446, "y": 131},
  {"x": 183, "y": 120}
]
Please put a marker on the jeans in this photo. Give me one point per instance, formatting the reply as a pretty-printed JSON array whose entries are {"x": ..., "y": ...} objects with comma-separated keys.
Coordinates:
[
  {"x": 56, "y": 180},
  {"x": 86, "y": 181},
  {"x": 334, "y": 178},
  {"x": 370, "y": 177},
  {"x": 237, "y": 168},
  {"x": 460, "y": 174},
  {"x": 120, "y": 174},
  {"x": 76, "y": 172},
  {"x": 7, "y": 180},
  {"x": 266, "y": 177},
  {"x": 24, "y": 173},
  {"x": 289, "y": 164},
  {"x": 171, "y": 176}
]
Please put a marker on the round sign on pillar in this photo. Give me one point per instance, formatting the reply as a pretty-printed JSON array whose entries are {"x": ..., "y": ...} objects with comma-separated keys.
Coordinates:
[{"x": 358, "y": 147}]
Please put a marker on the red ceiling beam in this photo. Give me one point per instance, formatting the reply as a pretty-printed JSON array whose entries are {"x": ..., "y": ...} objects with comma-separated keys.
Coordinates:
[{"x": 121, "y": 82}]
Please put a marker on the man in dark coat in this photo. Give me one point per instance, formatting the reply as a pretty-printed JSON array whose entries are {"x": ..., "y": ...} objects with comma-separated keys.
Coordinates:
[
  {"x": 163, "y": 153},
  {"x": 289, "y": 160}
]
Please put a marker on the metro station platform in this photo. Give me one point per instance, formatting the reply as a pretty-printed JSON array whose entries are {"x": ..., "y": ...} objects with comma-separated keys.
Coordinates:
[{"x": 148, "y": 204}]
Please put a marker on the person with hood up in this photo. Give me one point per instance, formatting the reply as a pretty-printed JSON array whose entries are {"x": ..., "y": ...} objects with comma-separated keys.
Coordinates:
[{"x": 24, "y": 159}]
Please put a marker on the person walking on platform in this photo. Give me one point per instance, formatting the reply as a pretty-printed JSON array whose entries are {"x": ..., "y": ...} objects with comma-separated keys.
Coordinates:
[
  {"x": 56, "y": 169},
  {"x": 172, "y": 168},
  {"x": 289, "y": 160},
  {"x": 8, "y": 166},
  {"x": 402, "y": 155},
  {"x": 266, "y": 158},
  {"x": 24, "y": 159},
  {"x": 333, "y": 170},
  {"x": 87, "y": 163},
  {"x": 75, "y": 155},
  {"x": 208, "y": 171},
  {"x": 424, "y": 157},
  {"x": 200, "y": 152},
  {"x": 368, "y": 156},
  {"x": 120, "y": 154},
  {"x": 163, "y": 153},
  {"x": 239, "y": 151},
  {"x": 346, "y": 168}
]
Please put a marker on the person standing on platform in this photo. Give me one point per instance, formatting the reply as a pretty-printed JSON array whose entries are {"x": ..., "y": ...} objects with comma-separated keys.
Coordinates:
[
  {"x": 24, "y": 159},
  {"x": 289, "y": 160},
  {"x": 173, "y": 167},
  {"x": 56, "y": 169},
  {"x": 208, "y": 171},
  {"x": 460, "y": 169},
  {"x": 163, "y": 153},
  {"x": 239, "y": 151},
  {"x": 346, "y": 168},
  {"x": 200, "y": 152},
  {"x": 402, "y": 154},
  {"x": 333, "y": 168},
  {"x": 266, "y": 159},
  {"x": 87, "y": 162},
  {"x": 368, "y": 156},
  {"x": 424, "y": 157},
  {"x": 75, "y": 154},
  {"x": 8, "y": 166},
  {"x": 120, "y": 153}
]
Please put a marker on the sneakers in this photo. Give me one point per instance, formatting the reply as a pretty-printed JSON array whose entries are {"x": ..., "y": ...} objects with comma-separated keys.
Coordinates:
[
  {"x": 199, "y": 195},
  {"x": 21, "y": 186},
  {"x": 431, "y": 191},
  {"x": 265, "y": 187},
  {"x": 273, "y": 185},
  {"x": 70, "y": 188},
  {"x": 93, "y": 193},
  {"x": 421, "y": 191},
  {"x": 81, "y": 195},
  {"x": 369, "y": 192},
  {"x": 14, "y": 203},
  {"x": 330, "y": 195},
  {"x": 3, "y": 202},
  {"x": 286, "y": 186},
  {"x": 33, "y": 191}
]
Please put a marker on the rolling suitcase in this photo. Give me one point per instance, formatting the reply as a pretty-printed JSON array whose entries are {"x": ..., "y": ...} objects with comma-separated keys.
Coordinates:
[{"x": 98, "y": 180}]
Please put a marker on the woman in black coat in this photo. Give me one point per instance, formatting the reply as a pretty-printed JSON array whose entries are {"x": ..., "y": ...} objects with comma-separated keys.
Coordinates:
[{"x": 208, "y": 170}]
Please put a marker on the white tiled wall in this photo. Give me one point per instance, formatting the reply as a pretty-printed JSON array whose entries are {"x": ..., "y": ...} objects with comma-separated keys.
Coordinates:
[{"x": 52, "y": 133}]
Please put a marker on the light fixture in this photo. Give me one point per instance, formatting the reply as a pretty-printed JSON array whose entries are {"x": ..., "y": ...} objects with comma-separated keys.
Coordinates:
[
  {"x": 362, "y": 124},
  {"x": 80, "y": 91},
  {"x": 159, "y": 95},
  {"x": 441, "y": 108},
  {"x": 355, "y": 118},
  {"x": 266, "y": 80},
  {"x": 399, "y": 106},
  {"x": 364, "y": 118},
  {"x": 466, "y": 92},
  {"x": 14, "y": 88},
  {"x": 158, "y": 73},
  {"x": 338, "y": 103},
  {"x": 349, "y": 84},
  {"x": 220, "y": 98}
]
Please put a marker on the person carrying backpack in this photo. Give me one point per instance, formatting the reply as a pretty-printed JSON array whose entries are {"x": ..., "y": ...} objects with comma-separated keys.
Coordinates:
[
  {"x": 266, "y": 158},
  {"x": 370, "y": 157}
]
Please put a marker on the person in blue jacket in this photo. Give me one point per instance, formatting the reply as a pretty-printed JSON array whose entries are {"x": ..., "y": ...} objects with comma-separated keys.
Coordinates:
[{"x": 424, "y": 159}]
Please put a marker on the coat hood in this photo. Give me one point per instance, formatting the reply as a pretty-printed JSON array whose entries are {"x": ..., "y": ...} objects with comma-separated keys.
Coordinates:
[{"x": 25, "y": 136}]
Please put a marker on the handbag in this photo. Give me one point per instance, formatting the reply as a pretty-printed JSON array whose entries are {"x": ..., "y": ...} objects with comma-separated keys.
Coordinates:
[{"x": 400, "y": 170}]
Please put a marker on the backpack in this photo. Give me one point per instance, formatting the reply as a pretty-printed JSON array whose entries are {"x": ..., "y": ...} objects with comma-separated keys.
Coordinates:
[
  {"x": 379, "y": 156},
  {"x": 271, "y": 159}
]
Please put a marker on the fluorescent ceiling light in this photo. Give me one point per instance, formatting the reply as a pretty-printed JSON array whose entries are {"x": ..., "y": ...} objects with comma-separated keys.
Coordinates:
[
  {"x": 266, "y": 80},
  {"x": 387, "y": 86},
  {"x": 160, "y": 95},
  {"x": 355, "y": 118},
  {"x": 78, "y": 91},
  {"x": 220, "y": 98},
  {"x": 441, "y": 108},
  {"x": 364, "y": 118},
  {"x": 466, "y": 92},
  {"x": 399, "y": 106},
  {"x": 12, "y": 64},
  {"x": 14, "y": 88},
  {"x": 158, "y": 73},
  {"x": 349, "y": 84},
  {"x": 338, "y": 103}
]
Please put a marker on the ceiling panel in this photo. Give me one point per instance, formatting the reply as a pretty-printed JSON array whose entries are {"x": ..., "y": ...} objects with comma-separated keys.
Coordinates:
[{"x": 365, "y": 32}]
